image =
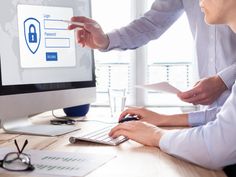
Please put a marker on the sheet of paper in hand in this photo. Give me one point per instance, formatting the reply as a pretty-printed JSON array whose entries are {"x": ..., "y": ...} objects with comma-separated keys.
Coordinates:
[{"x": 161, "y": 86}]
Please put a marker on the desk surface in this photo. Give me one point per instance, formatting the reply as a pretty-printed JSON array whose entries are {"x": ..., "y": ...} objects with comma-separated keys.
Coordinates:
[{"x": 133, "y": 159}]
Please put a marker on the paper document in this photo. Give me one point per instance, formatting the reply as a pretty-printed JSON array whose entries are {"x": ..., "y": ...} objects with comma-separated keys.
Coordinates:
[
  {"x": 61, "y": 163},
  {"x": 161, "y": 86}
]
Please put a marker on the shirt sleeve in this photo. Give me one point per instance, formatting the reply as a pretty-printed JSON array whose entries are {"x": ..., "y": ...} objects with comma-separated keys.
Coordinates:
[
  {"x": 212, "y": 145},
  {"x": 149, "y": 27},
  {"x": 202, "y": 117},
  {"x": 228, "y": 75}
]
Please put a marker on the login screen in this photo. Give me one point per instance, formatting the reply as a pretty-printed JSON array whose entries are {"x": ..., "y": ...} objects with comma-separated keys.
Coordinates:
[
  {"x": 44, "y": 38},
  {"x": 36, "y": 47}
]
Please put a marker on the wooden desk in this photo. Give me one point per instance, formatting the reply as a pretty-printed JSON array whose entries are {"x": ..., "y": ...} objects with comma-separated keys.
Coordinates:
[{"x": 133, "y": 159}]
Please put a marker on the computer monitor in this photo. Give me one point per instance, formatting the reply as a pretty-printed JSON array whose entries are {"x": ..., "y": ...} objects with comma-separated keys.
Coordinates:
[{"x": 42, "y": 67}]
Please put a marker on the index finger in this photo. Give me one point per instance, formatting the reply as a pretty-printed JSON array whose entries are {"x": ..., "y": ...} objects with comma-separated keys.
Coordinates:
[
  {"x": 82, "y": 19},
  {"x": 123, "y": 114},
  {"x": 79, "y": 19},
  {"x": 117, "y": 128},
  {"x": 130, "y": 111},
  {"x": 72, "y": 26}
]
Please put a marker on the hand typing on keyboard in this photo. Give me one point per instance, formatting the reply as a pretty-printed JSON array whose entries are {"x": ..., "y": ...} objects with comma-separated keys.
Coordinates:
[{"x": 99, "y": 136}]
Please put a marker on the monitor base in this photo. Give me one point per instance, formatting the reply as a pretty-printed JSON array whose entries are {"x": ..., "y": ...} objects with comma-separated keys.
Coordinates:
[{"x": 25, "y": 126}]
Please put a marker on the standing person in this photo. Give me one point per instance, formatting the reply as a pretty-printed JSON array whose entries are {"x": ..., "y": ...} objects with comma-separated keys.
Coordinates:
[
  {"x": 215, "y": 54},
  {"x": 212, "y": 145}
]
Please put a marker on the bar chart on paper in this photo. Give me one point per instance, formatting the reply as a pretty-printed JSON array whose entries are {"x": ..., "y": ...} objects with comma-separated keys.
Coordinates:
[
  {"x": 63, "y": 163},
  {"x": 67, "y": 164}
]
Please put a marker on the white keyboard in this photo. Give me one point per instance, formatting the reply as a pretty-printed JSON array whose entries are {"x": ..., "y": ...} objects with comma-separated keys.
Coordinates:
[{"x": 99, "y": 136}]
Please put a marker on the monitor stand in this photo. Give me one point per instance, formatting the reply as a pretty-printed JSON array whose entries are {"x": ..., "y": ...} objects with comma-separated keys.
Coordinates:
[{"x": 25, "y": 126}]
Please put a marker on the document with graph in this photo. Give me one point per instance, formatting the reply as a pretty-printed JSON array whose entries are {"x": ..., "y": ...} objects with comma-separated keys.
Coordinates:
[{"x": 62, "y": 163}]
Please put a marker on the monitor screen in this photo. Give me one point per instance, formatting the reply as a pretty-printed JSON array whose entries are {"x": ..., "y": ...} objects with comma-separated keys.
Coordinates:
[{"x": 42, "y": 67}]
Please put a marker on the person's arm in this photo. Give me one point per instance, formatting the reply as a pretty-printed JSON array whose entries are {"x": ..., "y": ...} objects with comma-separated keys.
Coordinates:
[
  {"x": 155, "y": 22},
  {"x": 202, "y": 117},
  {"x": 145, "y": 115},
  {"x": 191, "y": 119},
  {"x": 211, "y": 146},
  {"x": 151, "y": 26}
]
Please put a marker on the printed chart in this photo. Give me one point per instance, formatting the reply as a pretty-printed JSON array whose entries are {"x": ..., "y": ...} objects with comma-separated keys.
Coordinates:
[{"x": 62, "y": 163}]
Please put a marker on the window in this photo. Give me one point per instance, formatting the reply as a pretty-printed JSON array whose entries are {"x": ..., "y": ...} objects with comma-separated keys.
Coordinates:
[
  {"x": 170, "y": 59},
  {"x": 149, "y": 64},
  {"x": 113, "y": 69}
]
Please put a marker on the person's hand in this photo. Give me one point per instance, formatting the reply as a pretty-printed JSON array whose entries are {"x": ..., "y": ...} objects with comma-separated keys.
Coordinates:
[
  {"x": 91, "y": 34},
  {"x": 205, "y": 91},
  {"x": 144, "y": 115},
  {"x": 141, "y": 132}
]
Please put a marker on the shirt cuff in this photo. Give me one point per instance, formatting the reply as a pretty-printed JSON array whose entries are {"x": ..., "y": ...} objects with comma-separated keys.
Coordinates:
[
  {"x": 228, "y": 75},
  {"x": 113, "y": 41},
  {"x": 196, "y": 118}
]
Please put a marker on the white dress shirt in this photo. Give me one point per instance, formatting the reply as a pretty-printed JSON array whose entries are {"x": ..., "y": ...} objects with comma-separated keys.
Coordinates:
[
  {"x": 212, "y": 145},
  {"x": 215, "y": 52}
]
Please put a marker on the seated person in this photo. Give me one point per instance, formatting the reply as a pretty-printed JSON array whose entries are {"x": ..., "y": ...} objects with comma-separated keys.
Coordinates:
[{"x": 211, "y": 145}]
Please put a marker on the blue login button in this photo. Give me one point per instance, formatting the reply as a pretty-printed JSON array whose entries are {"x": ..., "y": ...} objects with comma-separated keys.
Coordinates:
[{"x": 51, "y": 56}]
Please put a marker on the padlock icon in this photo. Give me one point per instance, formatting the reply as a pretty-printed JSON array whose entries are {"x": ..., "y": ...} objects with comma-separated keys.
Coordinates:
[{"x": 32, "y": 34}]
